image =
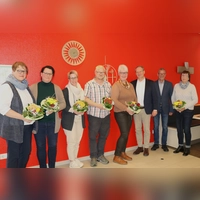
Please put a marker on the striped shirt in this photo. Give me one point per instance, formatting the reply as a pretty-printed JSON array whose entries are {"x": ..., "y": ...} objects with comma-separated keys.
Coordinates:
[{"x": 96, "y": 92}]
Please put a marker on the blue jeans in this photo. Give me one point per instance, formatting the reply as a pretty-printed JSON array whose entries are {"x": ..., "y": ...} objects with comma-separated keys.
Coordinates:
[
  {"x": 164, "y": 120},
  {"x": 18, "y": 153},
  {"x": 98, "y": 133},
  {"x": 183, "y": 124},
  {"x": 46, "y": 133},
  {"x": 124, "y": 121}
]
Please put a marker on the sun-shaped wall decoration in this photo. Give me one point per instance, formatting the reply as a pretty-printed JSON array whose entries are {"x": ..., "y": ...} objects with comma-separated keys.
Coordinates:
[{"x": 73, "y": 53}]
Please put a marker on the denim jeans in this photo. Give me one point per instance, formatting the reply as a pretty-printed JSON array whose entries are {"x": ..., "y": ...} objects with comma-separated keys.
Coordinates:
[
  {"x": 124, "y": 121},
  {"x": 18, "y": 153},
  {"x": 164, "y": 120},
  {"x": 46, "y": 133},
  {"x": 98, "y": 133},
  {"x": 183, "y": 124}
]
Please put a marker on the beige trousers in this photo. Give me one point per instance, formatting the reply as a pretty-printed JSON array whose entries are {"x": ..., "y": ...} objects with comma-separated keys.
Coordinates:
[
  {"x": 142, "y": 120},
  {"x": 73, "y": 138}
]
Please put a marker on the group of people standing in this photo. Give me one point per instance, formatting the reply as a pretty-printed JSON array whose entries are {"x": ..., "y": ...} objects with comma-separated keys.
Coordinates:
[{"x": 155, "y": 99}]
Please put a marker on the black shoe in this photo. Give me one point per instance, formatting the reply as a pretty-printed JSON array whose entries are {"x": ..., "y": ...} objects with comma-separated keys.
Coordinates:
[
  {"x": 186, "y": 152},
  {"x": 154, "y": 147},
  {"x": 165, "y": 148},
  {"x": 179, "y": 149}
]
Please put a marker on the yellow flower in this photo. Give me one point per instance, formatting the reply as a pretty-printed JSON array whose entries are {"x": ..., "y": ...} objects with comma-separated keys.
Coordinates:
[
  {"x": 37, "y": 109},
  {"x": 81, "y": 104},
  {"x": 51, "y": 100},
  {"x": 33, "y": 112},
  {"x": 179, "y": 104}
]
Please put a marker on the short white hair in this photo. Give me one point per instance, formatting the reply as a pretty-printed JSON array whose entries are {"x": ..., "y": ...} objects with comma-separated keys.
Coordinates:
[
  {"x": 100, "y": 67},
  {"x": 123, "y": 68}
]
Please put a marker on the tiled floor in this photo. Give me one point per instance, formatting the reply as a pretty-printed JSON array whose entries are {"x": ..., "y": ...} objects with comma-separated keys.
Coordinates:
[{"x": 156, "y": 159}]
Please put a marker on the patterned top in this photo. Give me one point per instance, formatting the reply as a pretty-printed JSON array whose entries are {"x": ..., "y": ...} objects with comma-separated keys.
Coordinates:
[{"x": 96, "y": 92}]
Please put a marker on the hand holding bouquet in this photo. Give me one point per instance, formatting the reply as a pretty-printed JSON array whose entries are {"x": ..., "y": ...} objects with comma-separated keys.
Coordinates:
[
  {"x": 179, "y": 104},
  {"x": 133, "y": 106},
  {"x": 80, "y": 106},
  {"x": 33, "y": 112},
  {"x": 50, "y": 104},
  {"x": 107, "y": 103}
]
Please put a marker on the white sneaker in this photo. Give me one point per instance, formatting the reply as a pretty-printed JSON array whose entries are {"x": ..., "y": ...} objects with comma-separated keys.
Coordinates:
[
  {"x": 74, "y": 164},
  {"x": 79, "y": 162}
]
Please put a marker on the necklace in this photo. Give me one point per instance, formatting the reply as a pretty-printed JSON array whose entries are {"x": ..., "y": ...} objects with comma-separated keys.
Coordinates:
[{"x": 124, "y": 84}]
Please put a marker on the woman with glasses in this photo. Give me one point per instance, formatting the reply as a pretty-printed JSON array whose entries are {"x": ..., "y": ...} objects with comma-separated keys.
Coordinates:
[
  {"x": 15, "y": 96},
  {"x": 48, "y": 126},
  {"x": 73, "y": 121},
  {"x": 122, "y": 92},
  {"x": 184, "y": 91}
]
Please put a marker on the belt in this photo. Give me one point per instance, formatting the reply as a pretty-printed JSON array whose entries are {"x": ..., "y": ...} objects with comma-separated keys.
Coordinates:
[{"x": 142, "y": 107}]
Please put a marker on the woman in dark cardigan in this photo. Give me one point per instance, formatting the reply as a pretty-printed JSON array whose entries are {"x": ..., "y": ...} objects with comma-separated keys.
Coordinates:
[{"x": 72, "y": 121}]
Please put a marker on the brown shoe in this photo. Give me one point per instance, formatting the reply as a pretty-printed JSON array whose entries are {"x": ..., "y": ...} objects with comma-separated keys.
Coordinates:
[
  {"x": 146, "y": 152},
  {"x": 125, "y": 156},
  {"x": 138, "y": 150},
  {"x": 119, "y": 160}
]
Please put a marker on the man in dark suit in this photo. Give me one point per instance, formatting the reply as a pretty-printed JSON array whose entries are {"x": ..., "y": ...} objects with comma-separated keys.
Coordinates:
[
  {"x": 164, "y": 91},
  {"x": 146, "y": 95}
]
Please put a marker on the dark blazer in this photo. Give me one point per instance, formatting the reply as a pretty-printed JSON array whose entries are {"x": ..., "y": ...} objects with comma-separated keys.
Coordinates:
[
  {"x": 150, "y": 97},
  {"x": 164, "y": 100},
  {"x": 67, "y": 120}
]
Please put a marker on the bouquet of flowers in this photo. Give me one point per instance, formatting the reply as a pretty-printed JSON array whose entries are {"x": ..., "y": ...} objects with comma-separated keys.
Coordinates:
[
  {"x": 80, "y": 106},
  {"x": 107, "y": 103},
  {"x": 179, "y": 104},
  {"x": 33, "y": 112},
  {"x": 134, "y": 106},
  {"x": 50, "y": 104}
]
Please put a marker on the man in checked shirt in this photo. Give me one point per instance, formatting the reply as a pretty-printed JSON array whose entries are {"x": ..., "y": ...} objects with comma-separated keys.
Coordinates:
[{"x": 98, "y": 116}]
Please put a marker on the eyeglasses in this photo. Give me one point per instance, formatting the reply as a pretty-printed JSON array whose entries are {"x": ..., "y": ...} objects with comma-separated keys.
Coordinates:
[
  {"x": 100, "y": 72},
  {"x": 73, "y": 78},
  {"x": 49, "y": 74},
  {"x": 123, "y": 73},
  {"x": 21, "y": 71}
]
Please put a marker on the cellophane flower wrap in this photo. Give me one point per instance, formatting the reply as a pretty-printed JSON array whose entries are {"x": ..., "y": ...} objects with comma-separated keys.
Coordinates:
[
  {"x": 133, "y": 106},
  {"x": 179, "y": 104},
  {"x": 33, "y": 112},
  {"x": 80, "y": 106},
  {"x": 50, "y": 104},
  {"x": 107, "y": 103}
]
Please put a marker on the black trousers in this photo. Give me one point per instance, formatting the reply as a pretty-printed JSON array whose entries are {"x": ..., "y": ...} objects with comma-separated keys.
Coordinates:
[
  {"x": 124, "y": 121},
  {"x": 18, "y": 153}
]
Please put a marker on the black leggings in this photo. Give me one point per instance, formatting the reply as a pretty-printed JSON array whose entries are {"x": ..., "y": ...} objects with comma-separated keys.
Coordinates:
[{"x": 124, "y": 121}]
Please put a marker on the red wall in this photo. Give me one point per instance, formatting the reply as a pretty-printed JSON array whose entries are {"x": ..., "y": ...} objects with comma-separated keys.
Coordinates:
[{"x": 105, "y": 35}]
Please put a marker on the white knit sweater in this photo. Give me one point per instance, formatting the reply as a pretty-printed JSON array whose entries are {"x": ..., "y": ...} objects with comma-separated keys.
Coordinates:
[{"x": 189, "y": 95}]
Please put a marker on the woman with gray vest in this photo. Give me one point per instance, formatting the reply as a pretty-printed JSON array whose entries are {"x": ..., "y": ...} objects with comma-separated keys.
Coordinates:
[{"x": 15, "y": 96}]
